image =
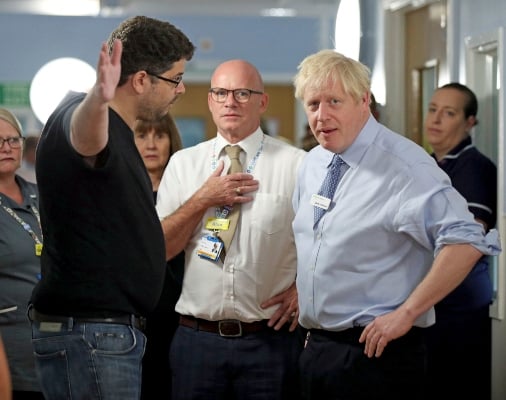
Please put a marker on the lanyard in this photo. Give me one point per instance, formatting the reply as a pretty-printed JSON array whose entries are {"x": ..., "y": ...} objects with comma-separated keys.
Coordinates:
[
  {"x": 252, "y": 163},
  {"x": 223, "y": 213},
  {"x": 24, "y": 224}
]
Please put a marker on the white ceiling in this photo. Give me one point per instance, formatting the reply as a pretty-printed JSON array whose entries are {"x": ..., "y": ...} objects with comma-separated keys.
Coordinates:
[{"x": 167, "y": 7}]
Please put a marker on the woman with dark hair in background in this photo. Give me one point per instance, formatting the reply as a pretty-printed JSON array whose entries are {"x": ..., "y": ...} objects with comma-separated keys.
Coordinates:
[
  {"x": 459, "y": 344},
  {"x": 156, "y": 142}
]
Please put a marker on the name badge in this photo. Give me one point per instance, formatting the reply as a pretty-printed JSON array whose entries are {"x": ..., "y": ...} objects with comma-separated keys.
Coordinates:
[
  {"x": 220, "y": 224},
  {"x": 38, "y": 249},
  {"x": 210, "y": 248},
  {"x": 320, "y": 201}
]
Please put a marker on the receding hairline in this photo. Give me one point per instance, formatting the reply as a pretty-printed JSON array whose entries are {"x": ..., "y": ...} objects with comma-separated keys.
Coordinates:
[{"x": 246, "y": 67}]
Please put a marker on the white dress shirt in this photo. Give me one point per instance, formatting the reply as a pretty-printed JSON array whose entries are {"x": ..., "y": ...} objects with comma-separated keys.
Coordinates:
[{"x": 261, "y": 261}]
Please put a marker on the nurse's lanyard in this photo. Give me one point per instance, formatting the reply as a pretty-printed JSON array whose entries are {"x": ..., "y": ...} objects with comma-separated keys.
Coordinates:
[
  {"x": 223, "y": 213},
  {"x": 26, "y": 226}
]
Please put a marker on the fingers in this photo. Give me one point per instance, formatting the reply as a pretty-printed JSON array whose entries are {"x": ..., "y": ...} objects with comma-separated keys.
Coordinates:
[
  {"x": 380, "y": 347},
  {"x": 291, "y": 318},
  {"x": 375, "y": 343},
  {"x": 240, "y": 185},
  {"x": 281, "y": 318},
  {"x": 220, "y": 190},
  {"x": 219, "y": 169},
  {"x": 116, "y": 52},
  {"x": 370, "y": 345},
  {"x": 240, "y": 189},
  {"x": 288, "y": 310},
  {"x": 239, "y": 177},
  {"x": 295, "y": 321},
  {"x": 375, "y": 346}
]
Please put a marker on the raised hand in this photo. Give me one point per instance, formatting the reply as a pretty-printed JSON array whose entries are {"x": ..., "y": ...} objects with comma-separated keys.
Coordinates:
[{"x": 108, "y": 71}]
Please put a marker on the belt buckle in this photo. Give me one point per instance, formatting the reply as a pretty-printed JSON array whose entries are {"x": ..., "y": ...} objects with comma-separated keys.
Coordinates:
[
  {"x": 227, "y": 325},
  {"x": 138, "y": 322},
  {"x": 142, "y": 323}
]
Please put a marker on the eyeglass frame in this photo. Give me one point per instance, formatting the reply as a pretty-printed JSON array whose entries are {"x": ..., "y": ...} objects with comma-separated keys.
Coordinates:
[
  {"x": 214, "y": 95},
  {"x": 20, "y": 140},
  {"x": 163, "y": 78}
]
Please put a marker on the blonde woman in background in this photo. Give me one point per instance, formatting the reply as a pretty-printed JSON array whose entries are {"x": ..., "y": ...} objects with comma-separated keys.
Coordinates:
[{"x": 20, "y": 250}]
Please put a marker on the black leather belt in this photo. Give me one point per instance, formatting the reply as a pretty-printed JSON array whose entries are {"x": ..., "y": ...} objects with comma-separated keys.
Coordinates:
[
  {"x": 347, "y": 335},
  {"x": 226, "y": 328},
  {"x": 132, "y": 320},
  {"x": 351, "y": 335}
]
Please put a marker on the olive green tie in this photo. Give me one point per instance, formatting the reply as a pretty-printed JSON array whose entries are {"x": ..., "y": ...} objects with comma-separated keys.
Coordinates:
[{"x": 235, "y": 166}]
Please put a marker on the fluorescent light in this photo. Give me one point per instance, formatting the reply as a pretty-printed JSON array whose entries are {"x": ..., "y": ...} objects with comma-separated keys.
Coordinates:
[
  {"x": 53, "y": 7},
  {"x": 348, "y": 30}
]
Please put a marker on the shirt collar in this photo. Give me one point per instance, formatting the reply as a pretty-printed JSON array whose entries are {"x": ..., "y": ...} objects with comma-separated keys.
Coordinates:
[
  {"x": 353, "y": 154},
  {"x": 250, "y": 144},
  {"x": 28, "y": 191},
  {"x": 464, "y": 145}
]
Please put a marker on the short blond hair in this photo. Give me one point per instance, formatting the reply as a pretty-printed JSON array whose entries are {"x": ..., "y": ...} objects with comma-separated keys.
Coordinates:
[
  {"x": 10, "y": 118},
  {"x": 328, "y": 66}
]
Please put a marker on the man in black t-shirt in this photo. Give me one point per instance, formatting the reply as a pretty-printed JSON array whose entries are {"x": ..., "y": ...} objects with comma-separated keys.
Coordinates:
[{"x": 103, "y": 261}]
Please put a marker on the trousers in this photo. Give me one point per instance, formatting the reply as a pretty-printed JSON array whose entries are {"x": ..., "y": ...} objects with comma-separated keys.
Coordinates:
[
  {"x": 333, "y": 366},
  {"x": 88, "y": 361},
  {"x": 255, "y": 366}
]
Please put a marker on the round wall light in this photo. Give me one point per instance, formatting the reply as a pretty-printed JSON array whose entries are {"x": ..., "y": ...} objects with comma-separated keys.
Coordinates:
[
  {"x": 54, "y": 80},
  {"x": 348, "y": 29}
]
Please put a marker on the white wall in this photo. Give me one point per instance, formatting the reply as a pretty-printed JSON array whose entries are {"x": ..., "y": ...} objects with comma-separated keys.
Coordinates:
[{"x": 472, "y": 19}]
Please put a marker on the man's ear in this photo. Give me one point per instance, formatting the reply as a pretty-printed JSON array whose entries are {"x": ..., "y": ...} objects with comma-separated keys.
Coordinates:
[{"x": 140, "y": 81}]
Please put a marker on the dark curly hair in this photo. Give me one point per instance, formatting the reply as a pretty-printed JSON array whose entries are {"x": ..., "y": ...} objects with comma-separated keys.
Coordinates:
[{"x": 151, "y": 45}]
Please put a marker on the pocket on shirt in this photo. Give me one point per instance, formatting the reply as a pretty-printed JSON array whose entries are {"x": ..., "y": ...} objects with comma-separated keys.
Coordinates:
[{"x": 271, "y": 213}]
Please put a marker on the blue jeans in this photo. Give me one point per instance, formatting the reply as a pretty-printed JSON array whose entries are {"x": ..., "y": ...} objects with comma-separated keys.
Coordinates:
[{"x": 88, "y": 361}]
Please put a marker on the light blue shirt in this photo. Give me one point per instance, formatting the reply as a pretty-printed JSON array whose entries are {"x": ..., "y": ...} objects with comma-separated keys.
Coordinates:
[{"x": 393, "y": 210}]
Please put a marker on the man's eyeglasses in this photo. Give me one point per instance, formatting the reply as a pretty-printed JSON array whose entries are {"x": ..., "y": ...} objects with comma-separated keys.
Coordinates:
[
  {"x": 176, "y": 81},
  {"x": 14, "y": 142},
  {"x": 240, "y": 95}
]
